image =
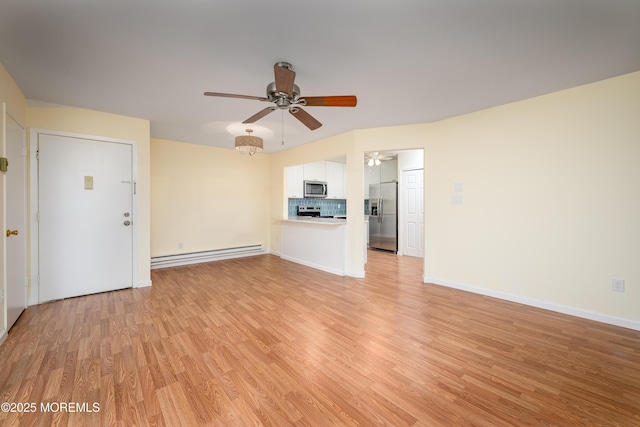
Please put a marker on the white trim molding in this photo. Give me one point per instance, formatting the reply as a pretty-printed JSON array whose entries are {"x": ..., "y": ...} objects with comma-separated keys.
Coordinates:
[{"x": 559, "y": 308}]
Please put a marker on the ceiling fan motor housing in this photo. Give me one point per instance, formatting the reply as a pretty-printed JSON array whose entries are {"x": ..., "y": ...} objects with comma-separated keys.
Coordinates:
[{"x": 281, "y": 99}]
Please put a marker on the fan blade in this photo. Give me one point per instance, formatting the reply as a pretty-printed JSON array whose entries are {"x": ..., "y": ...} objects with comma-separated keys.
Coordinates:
[
  {"x": 306, "y": 118},
  {"x": 260, "y": 114},
  {"x": 284, "y": 79},
  {"x": 231, "y": 95},
  {"x": 331, "y": 101}
]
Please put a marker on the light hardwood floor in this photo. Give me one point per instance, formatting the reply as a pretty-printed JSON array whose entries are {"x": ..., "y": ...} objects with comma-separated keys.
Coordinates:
[{"x": 262, "y": 341}]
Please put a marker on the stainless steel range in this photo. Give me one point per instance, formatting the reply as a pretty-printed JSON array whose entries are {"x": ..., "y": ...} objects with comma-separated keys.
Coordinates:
[{"x": 312, "y": 211}]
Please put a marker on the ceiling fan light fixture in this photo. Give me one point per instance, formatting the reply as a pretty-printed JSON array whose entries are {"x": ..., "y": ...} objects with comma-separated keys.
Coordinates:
[
  {"x": 248, "y": 144},
  {"x": 374, "y": 160}
]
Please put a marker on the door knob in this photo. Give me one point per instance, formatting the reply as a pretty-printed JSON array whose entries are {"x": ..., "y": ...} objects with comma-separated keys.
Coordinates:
[
  {"x": 127, "y": 223},
  {"x": 10, "y": 232}
]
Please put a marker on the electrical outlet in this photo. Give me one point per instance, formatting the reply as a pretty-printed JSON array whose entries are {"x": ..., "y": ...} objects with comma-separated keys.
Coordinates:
[
  {"x": 1, "y": 296},
  {"x": 617, "y": 285}
]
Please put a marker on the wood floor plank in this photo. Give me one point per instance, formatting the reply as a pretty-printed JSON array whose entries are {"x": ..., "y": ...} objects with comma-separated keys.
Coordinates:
[{"x": 263, "y": 341}]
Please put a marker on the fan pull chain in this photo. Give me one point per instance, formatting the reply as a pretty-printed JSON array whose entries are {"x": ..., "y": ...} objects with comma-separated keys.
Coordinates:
[{"x": 282, "y": 133}]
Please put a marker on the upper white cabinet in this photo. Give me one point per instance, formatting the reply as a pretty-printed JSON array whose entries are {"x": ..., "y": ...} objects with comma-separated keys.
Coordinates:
[
  {"x": 333, "y": 173},
  {"x": 372, "y": 177},
  {"x": 335, "y": 180},
  {"x": 368, "y": 173},
  {"x": 315, "y": 171},
  {"x": 386, "y": 171},
  {"x": 295, "y": 184},
  {"x": 389, "y": 171}
]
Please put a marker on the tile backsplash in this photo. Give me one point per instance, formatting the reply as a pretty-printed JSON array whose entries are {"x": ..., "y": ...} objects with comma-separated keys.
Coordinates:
[{"x": 327, "y": 206}]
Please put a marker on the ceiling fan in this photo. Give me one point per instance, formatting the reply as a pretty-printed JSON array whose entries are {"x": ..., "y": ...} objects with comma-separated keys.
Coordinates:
[
  {"x": 375, "y": 158},
  {"x": 284, "y": 94}
]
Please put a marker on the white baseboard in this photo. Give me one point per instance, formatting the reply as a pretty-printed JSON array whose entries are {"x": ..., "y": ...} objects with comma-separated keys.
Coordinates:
[
  {"x": 143, "y": 284},
  {"x": 356, "y": 274},
  {"x": 206, "y": 256},
  {"x": 312, "y": 265},
  {"x": 559, "y": 308}
]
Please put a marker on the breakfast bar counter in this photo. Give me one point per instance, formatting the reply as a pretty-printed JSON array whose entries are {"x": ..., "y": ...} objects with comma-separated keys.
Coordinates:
[{"x": 316, "y": 220}]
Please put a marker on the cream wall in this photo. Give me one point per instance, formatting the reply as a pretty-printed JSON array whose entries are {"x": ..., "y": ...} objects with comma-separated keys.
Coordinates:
[
  {"x": 551, "y": 208},
  {"x": 89, "y": 122},
  {"x": 551, "y": 211},
  {"x": 12, "y": 102},
  {"x": 207, "y": 198}
]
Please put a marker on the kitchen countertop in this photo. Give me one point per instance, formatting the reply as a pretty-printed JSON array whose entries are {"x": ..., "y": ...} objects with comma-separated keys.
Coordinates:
[{"x": 316, "y": 220}]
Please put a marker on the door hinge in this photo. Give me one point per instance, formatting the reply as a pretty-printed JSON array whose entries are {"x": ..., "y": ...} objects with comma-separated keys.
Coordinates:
[
  {"x": 135, "y": 184},
  {"x": 24, "y": 151},
  {"x": 38, "y": 217},
  {"x": 38, "y": 155}
]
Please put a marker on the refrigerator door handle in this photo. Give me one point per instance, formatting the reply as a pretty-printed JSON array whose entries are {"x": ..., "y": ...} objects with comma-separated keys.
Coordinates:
[{"x": 381, "y": 209}]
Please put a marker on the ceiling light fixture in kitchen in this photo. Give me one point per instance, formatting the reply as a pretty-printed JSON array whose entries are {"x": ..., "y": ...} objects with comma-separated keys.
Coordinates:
[
  {"x": 248, "y": 144},
  {"x": 374, "y": 160}
]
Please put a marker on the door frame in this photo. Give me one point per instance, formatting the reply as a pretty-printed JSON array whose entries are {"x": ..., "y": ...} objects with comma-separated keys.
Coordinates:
[
  {"x": 34, "y": 204},
  {"x": 25, "y": 255}
]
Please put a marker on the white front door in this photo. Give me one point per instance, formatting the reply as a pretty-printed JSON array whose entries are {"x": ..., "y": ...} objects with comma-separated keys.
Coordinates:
[
  {"x": 16, "y": 232},
  {"x": 413, "y": 213},
  {"x": 85, "y": 216}
]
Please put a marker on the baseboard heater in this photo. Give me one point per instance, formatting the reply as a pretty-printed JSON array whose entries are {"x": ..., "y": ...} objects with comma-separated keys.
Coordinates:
[{"x": 205, "y": 256}]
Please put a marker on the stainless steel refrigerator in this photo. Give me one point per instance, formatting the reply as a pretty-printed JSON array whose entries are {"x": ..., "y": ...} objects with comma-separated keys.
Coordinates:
[{"x": 383, "y": 216}]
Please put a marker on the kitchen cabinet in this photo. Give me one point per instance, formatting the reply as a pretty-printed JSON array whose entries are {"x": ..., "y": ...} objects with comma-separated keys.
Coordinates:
[
  {"x": 386, "y": 171},
  {"x": 369, "y": 178},
  {"x": 315, "y": 171},
  {"x": 389, "y": 171},
  {"x": 295, "y": 180},
  {"x": 335, "y": 180}
]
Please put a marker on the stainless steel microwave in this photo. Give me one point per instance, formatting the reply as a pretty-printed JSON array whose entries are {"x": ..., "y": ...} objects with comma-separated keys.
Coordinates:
[{"x": 315, "y": 189}]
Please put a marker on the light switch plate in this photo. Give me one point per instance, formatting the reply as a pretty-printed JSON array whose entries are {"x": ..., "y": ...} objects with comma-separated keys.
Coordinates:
[{"x": 617, "y": 285}]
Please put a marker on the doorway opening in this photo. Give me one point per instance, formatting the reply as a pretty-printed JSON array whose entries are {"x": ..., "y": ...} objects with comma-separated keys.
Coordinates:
[{"x": 395, "y": 226}]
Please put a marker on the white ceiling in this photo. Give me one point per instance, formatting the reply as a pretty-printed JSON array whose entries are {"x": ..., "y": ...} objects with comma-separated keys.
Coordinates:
[{"x": 411, "y": 61}]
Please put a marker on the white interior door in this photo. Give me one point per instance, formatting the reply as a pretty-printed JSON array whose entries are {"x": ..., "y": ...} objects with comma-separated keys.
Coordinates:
[
  {"x": 413, "y": 213},
  {"x": 16, "y": 220},
  {"x": 85, "y": 216}
]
